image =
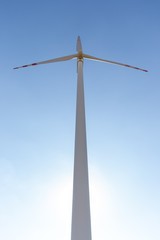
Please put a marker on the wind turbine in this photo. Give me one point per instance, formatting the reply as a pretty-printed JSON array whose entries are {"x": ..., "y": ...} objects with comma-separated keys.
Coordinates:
[{"x": 81, "y": 221}]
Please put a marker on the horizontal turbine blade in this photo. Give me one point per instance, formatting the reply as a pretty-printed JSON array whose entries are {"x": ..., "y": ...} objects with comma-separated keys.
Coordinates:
[
  {"x": 103, "y": 60},
  {"x": 50, "y": 61}
]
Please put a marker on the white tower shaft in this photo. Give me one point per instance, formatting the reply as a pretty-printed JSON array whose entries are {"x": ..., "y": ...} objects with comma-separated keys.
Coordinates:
[{"x": 81, "y": 223}]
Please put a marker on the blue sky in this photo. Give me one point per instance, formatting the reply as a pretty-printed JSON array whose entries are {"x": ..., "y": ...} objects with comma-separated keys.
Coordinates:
[{"x": 37, "y": 118}]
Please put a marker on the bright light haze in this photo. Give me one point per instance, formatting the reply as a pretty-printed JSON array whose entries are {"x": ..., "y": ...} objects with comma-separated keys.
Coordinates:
[{"x": 37, "y": 118}]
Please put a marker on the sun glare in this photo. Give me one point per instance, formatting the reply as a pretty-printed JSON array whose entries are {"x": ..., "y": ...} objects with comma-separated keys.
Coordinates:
[{"x": 59, "y": 201}]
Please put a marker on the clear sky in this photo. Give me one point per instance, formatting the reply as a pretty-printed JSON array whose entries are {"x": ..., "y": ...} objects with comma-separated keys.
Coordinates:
[{"x": 37, "y": 118}]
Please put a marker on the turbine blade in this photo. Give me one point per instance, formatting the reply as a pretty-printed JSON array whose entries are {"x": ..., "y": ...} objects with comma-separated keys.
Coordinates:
[
  {"x": 79, "y": 45},
  {"x": 103, "y": 60},
  {"x": 50, "y": 61}
]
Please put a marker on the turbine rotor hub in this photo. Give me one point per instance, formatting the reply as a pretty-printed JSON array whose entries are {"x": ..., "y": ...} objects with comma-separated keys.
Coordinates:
[{"x": 80, "y": 56}]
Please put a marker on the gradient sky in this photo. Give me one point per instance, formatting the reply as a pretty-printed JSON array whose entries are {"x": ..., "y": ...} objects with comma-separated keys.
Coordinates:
[{"x": 37, "y": 118}]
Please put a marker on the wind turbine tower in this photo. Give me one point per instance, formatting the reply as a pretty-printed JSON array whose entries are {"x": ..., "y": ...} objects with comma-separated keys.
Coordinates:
[{"x": 81, "y": 220}]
